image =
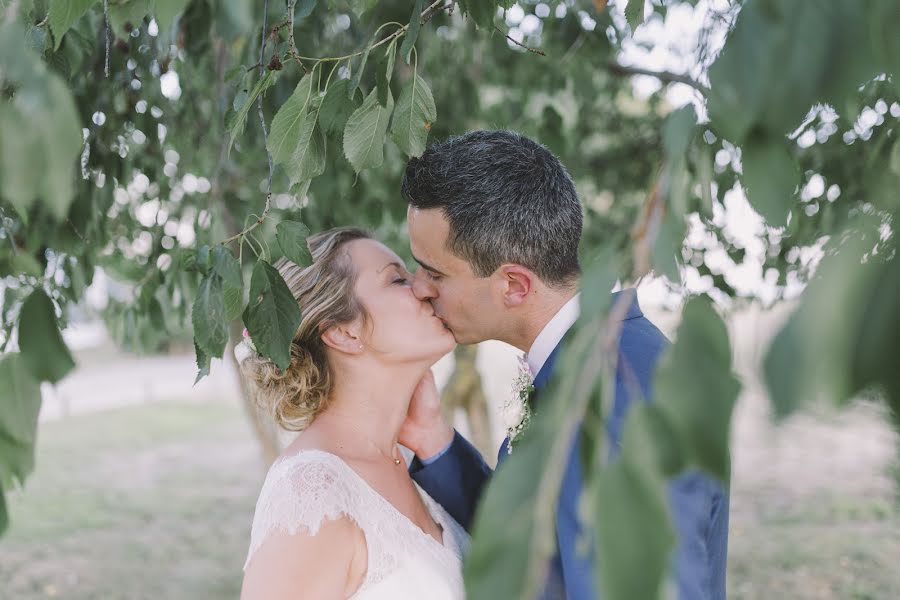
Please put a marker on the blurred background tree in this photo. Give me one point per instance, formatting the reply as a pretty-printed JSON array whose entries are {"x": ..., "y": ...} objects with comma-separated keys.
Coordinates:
[{"x": 181, "y": 146}]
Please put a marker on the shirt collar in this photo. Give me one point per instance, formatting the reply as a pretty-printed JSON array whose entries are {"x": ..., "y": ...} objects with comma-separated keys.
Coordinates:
[
  {"x": 551, "y": 334},
  {"x": 554, "y": 331}
]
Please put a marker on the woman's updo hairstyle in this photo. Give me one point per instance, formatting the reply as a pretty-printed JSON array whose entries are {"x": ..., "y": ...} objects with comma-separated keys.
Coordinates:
[{"x": 324, "y": 290}]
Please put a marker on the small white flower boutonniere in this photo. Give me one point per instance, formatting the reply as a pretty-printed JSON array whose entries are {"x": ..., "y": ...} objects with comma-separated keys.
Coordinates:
[{"x": 517, "y": 410}]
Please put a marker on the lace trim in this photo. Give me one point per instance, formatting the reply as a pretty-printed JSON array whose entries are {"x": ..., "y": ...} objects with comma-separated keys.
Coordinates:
[{"x": 303, "y": 491}]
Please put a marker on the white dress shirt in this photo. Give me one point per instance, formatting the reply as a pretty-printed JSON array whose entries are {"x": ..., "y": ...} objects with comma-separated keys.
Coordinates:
[{"x": 552, "y": 334}]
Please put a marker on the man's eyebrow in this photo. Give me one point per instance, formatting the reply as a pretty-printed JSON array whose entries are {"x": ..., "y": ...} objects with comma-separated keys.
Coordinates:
[{"x": 426, "y": 266}]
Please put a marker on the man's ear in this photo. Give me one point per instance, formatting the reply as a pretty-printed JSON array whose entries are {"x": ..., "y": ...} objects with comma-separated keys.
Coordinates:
[
  {"x": 343, "y": 337},
  {"x": 518, "y": 282}
]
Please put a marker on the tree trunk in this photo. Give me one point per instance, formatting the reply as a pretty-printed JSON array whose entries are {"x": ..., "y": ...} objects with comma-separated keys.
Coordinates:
[{"x": 464, "y": 391}]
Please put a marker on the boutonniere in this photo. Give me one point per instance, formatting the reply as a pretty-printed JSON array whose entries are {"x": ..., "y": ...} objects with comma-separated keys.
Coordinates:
[{"x": 517, "y": 410}]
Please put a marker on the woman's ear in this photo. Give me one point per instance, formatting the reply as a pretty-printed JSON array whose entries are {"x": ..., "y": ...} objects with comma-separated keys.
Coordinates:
[
  {"x": 517, "y": 283},
  {"x": 343, "y": 338}
]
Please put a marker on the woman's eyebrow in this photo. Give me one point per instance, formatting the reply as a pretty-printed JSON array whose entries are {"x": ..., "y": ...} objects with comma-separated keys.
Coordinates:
[{"x": 391, "y": 264}]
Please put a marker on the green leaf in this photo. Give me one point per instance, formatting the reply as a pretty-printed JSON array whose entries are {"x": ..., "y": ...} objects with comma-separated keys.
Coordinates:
[
  {"x": 63, "y": 13},
  {"x": 4, "y": 515},
  {"x": 895, "y": 158},
  {"x": 62, "y": 144},
  {"x": 273, "y": 315},
  {"x": 291, "y": 237},
  {"x": 203, "y": 363},
  {"x": 365, "y": 132},
  {"x": 412, "y": 32},
  {"x": 775, "y": 65},
  {"x": 510, "y": 562},
  {"x": 668, "y": 244},
  {"x": 127, "y": 14},
  {"x": 634, "y": 536},
  {"x": 288, "y": 121},
  {"x": 308, "y": 160},
  {"x": 26, "y": 263},
  {"x": 304, "y": 8},
  {"x": 634, "y": 13},
  {"x": 413, "y": 118},
  {"x": 482, "y": 12},
  {"x": 385, "y": 72},
  {"x": 20, "y": 405},
  {"x": 202, "y": 259},
  {"x": 876, "y": 343},
  {"x": 700, "y": 389},
  {"x": 843, "y": 336},
  {"x": 165, "y": 12},
  {"x": 41, "y": 132},
  {"x": 226, "y": 267},
  {"x": 236, "y": 126},
  {"x": 209, "y": 318},
  {"x": 43, "y": 350},
  {"x": 678, "y": 131},
  {"x": 18, "y": 145},
  {"x": 885, "y": 19},
  {"x": 358, "y": 73},
  {"x": 771, "y": 177},
  {"x": 337, "y": 106}
]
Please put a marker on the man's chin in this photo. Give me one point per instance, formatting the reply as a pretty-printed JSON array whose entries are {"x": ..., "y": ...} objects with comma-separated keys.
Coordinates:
[{"x": 465, "y": 339}]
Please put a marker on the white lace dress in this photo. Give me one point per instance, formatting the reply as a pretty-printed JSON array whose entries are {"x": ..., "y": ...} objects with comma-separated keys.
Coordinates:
[{"x": 303, "y": 490}]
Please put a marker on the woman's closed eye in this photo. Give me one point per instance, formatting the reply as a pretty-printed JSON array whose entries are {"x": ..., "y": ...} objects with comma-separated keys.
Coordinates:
[{"x": 400, "y": 281}]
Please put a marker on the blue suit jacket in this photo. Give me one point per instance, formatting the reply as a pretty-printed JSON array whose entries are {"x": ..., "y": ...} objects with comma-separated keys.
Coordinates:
[{"x": 698, "y": 503}]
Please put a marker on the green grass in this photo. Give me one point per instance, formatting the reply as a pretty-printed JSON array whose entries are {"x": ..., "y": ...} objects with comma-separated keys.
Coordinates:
[
  {"x": 155, "y": 502},
  {"x": 147, "y": 502}
]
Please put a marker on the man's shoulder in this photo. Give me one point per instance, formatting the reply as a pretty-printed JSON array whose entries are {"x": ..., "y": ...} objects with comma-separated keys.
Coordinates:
[{"x": 641, "y": 337}]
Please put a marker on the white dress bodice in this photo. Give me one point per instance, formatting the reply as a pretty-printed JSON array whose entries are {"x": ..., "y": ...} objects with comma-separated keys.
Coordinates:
[{"x": 304, "y": 490}]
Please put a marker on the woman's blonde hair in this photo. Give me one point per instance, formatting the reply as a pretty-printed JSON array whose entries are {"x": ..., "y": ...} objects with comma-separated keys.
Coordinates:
[{"x": 324, "y": 290}]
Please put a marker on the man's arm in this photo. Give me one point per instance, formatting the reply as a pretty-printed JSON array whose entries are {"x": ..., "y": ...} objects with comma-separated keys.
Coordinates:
[
  {"x": 447, "y": 466},
  {"x": 455, "y": 479},
  {"x": 699, "y": 506}
]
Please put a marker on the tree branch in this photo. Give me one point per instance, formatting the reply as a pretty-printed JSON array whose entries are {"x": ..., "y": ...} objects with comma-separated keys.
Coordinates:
[
  {"x": 105, "y": 34},
  {"x": 664, "y": 76},
  {"x": 292, "y": 46},
  {"x": 262, "y": 122},
  {"x": 426, "y": 15},
  {"x": 520, "y": 44}
]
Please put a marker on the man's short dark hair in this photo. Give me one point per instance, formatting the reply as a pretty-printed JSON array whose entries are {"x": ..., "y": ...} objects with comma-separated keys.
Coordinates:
[{"x": 507, "y": 199}]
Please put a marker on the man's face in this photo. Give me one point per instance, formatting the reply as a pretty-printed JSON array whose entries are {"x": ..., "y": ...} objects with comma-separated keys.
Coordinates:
[{"x": 461, "y": 299}]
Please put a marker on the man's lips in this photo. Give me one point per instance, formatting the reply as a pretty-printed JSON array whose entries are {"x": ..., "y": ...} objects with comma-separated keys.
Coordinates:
[{"x": 443, "y": 322}]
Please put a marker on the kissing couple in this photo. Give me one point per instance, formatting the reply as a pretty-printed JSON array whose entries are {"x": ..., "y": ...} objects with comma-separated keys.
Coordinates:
[{"x": 494, "y": 226}]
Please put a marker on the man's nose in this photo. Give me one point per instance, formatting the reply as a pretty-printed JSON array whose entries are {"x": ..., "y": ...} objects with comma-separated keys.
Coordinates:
[{"x": 422, "y": 288}]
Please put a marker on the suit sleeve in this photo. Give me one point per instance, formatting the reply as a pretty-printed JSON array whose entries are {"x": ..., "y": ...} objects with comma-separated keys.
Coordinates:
[
  {"x": 700, "y": 509},
  {"x": 456, "y": 479}
]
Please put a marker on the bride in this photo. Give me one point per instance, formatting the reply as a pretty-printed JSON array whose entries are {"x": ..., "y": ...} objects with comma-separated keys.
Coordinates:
[{"x": 338, "y": 515}]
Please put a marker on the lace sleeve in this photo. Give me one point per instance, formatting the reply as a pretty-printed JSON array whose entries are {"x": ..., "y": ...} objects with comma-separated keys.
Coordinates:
[{"x": 299, "y": 494}]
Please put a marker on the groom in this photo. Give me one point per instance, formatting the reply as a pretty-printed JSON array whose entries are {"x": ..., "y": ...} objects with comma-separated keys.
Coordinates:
[{"x": 495, "y": 223}]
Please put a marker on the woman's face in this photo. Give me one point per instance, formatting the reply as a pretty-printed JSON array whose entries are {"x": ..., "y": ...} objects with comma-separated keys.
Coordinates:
[{"x": 401, "y": 328}]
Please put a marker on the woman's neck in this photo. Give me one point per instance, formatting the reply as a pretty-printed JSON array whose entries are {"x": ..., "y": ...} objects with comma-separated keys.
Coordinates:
[{"x": 368, "y": 405}]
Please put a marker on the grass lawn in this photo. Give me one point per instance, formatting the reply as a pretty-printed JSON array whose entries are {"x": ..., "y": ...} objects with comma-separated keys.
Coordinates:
[
  {"x": 154, "y": 502},
  {"x": 144, "y": 502}
]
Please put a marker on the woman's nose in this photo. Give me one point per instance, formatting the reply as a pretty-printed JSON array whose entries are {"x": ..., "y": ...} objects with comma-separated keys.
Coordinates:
[{"x": 422, "y": 288}]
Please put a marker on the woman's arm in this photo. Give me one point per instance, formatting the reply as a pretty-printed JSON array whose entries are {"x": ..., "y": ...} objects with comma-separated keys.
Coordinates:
[{"x": 330, "y": 565}]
